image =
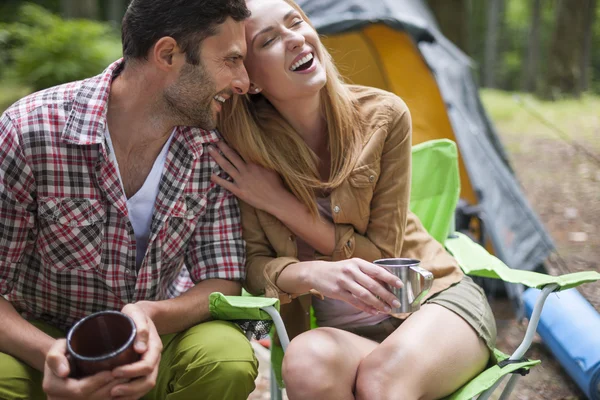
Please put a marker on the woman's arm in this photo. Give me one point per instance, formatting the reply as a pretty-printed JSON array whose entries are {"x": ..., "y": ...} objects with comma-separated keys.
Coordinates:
[
  {"x": 264, "y": 190},
  {"x": 355, "y": 281}
]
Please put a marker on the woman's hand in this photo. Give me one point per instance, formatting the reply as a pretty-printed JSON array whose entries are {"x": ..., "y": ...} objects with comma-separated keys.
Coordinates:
[
  {"x": 357, "y": 282},
  {"x": 257, "y": 186}
]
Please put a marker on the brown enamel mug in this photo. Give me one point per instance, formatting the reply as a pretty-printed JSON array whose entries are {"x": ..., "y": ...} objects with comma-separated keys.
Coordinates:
[{"x": 100, "y": 342}]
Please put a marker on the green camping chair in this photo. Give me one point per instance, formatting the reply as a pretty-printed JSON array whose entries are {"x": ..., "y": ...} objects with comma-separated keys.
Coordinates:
[{"x": 434, "y": 194}]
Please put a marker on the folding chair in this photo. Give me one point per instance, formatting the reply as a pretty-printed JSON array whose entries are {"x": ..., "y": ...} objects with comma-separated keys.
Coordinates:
[{"x": 434, "y": 194}]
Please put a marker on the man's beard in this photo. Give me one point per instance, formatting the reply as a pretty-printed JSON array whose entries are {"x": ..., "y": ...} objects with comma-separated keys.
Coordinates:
[{"x": 190, "y": 99}]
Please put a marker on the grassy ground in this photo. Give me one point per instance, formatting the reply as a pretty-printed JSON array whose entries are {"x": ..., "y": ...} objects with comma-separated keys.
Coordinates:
[{"x": 519, "y": 114}]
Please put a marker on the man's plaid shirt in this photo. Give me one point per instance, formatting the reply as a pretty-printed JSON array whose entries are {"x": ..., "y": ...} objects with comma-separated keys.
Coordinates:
[{"x": 67, "y": 247}]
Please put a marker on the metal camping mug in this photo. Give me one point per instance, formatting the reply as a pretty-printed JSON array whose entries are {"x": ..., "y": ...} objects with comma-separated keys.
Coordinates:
[
  {"x": 100, "y": 342},
  {"x": 417, "y": 282}
]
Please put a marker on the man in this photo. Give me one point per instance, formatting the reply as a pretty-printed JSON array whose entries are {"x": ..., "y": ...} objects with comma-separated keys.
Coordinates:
[{"x": 105, "y": 192}]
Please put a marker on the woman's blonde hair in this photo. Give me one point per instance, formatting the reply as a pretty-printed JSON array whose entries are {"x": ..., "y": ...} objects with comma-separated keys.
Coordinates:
[{"x": 256, "y": 130}]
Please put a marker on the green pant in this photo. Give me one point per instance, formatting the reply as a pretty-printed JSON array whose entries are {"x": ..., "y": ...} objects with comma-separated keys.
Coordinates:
[{"x": 211, "y": 361}]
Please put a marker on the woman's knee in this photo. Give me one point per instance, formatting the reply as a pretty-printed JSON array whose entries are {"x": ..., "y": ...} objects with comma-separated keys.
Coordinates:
[
  {"x": 386, "y": 374},
  {"x": 311, "y": 359}
]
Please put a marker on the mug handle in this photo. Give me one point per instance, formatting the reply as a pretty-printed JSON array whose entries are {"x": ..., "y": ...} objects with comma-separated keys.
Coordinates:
[{"x": 428, "y": 278}]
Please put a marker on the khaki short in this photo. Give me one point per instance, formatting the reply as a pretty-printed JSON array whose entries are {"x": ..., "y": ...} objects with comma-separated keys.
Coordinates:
[{"x": 465, "y": 298}]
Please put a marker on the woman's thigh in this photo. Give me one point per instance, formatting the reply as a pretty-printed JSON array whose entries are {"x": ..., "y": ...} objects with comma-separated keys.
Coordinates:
[{"x": 429, "y": 356}]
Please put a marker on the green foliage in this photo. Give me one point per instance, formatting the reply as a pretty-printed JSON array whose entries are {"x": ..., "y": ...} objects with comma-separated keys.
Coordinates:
[
  {"x": 11, "y": 92},
  {"x": 42, "y": 50},
  {"x": 595, "y": 67},
  {"x": 519, "y": 112},
  {"x": 9, "y": 9}
]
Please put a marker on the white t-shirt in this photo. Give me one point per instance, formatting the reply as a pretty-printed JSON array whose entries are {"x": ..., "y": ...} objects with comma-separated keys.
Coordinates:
[{"x": 141, "y": 205}]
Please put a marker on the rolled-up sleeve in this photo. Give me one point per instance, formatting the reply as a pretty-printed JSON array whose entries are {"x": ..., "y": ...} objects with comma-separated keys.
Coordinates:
[{"x": 17, "y": 205}]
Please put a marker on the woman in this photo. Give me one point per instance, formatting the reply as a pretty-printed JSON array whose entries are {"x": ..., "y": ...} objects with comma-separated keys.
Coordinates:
[{"x": 323, "y": 173}]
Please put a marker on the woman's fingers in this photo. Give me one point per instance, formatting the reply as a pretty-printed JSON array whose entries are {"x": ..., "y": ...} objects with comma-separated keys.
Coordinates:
[
  {"x": 224, "y": 163},
  {"x": 224, "y": 183},
  {"x": 231, "y": 155},
  {"x": 379, "y": 273},
  {"x": 384, "y": 298},
  {"x": 348, "y": 297},
  {"x": 367, "y": 296}
]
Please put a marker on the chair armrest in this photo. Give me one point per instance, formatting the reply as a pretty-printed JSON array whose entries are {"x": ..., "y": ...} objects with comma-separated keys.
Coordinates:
[
  {"x": 475, "y": 260},
  {"x": 240, "y": 307}
]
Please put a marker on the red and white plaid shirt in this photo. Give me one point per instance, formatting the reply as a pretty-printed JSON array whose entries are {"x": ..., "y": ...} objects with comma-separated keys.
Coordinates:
[{"x": 67, "y": 247}]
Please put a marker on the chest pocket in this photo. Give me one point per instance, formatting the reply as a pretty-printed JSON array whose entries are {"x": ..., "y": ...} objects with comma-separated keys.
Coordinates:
[
  {"x": 185, "y": 215},
  {"x": 70, "y": 233},
  {"x": 363, "y": 181}
]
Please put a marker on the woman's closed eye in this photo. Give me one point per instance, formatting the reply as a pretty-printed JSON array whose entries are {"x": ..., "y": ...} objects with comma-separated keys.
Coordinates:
[
  {"x": 296, "y": 22},
  {"x": 268, "y": 42}
]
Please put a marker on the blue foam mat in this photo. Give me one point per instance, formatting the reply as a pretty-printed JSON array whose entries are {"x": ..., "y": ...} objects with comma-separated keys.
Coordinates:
[{"x": 570, "y": 327}]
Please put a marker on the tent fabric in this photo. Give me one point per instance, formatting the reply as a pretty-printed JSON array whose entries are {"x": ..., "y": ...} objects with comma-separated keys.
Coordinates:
[{"x": 403, "y": 51}]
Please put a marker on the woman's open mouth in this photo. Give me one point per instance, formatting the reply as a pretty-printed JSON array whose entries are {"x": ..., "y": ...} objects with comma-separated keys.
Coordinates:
[{"x": 303, "y": 64}]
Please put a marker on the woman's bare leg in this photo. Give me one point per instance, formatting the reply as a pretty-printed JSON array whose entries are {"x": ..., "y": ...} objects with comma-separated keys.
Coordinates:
[
  {"x": 322, "y": 364},
  {"x": 432, "y": 354}
]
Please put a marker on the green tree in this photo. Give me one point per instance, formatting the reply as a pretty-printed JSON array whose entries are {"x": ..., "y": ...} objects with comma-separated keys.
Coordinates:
[
  {"x": 80, "y": 9},
  {"x": 452, "y": 17},
  {"x": 564, "y": 74}
]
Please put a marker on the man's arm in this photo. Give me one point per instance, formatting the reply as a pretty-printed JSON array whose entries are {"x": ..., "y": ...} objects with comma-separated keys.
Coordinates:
[
  {"x": 189, "y": 309},
  {"x": 20, "y": 339},
  {"x": 17, "y": 336}
]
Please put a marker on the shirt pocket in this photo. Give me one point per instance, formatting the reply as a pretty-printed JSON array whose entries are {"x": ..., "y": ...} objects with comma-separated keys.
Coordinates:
[
  {"x": 188, "y": 211},
  {"x": 363, "y": 180},
  {"x": 71, "y": 233}
]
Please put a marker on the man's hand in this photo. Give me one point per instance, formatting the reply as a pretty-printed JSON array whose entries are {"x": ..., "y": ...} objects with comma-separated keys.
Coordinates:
[
  {"x": 141, "y": 375},
  {"x": 57, "y": 384}
]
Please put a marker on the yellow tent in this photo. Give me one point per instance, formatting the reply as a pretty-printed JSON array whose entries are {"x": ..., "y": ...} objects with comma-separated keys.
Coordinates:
[{"x": 383, "y": 57}]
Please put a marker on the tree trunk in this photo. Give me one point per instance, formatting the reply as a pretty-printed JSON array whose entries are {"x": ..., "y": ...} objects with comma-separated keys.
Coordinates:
[
  {"x": 566, "y": 49},
  {"x": 115, "y": 11},
  {"x": 451, "y": 16},
  {"x": 80, "y": 8},
  {"x": 532, "y": 57},
  {"x": 586, "y": 59},
  {"x": 491, "y": 51}
]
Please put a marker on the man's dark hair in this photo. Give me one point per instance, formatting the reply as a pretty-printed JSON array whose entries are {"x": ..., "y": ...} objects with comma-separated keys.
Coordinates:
[{"x": 187, "y": 21}]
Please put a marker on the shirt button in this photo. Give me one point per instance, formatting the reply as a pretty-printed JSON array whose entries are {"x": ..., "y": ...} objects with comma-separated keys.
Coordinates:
[
  {"x": 336, "y": 209},
  {"x": 128, "y": 271},
  {"x": 349, "y": 243},
  {"x": 292, "y": 237},
  {"x": 371, "y": 178}
]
